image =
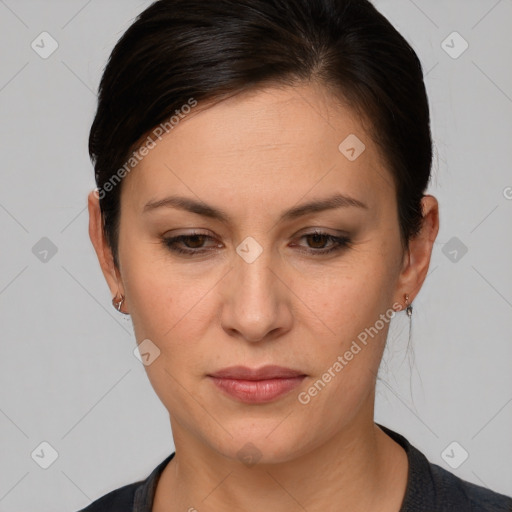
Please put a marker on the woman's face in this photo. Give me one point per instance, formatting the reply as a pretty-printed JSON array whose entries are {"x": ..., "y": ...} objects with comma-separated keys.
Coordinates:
[{"x": 255, "y": 286}]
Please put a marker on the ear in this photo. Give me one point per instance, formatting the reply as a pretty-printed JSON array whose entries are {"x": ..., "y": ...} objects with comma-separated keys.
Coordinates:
[
  {"x": 103, "y": 250},
  {"x": 417, "y": 257}
]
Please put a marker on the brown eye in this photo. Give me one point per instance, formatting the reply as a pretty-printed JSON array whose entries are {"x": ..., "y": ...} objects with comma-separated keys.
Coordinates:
[
  {"x": 190, "y": 244},
  {"x": 316, "y": 243},
  {"x": 194, "y": 241},
  {"x": 317, "y": 240}
]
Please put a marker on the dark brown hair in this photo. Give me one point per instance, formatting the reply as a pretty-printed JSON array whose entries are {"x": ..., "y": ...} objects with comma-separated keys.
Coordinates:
[{"x": 208, "y": 49}]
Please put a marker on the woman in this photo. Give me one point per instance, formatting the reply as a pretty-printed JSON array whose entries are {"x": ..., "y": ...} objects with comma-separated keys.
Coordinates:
[{"x": 261, "y": 214}]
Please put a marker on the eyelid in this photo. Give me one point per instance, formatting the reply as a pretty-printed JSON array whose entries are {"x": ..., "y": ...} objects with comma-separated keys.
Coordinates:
[
  {"x": 312, "y": 230},
  {"x": 322, "y": 231},
  {"x": 338, "y": 243}
]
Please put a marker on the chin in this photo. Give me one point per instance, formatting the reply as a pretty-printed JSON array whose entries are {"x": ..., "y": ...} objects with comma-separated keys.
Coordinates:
[{"x": 262, "y": 443}]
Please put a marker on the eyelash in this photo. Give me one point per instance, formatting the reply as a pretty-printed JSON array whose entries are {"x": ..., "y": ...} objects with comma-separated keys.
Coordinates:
[{"x": 340, "y": 243}]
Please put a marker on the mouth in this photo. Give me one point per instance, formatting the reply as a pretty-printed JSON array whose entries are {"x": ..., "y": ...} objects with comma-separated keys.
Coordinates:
[{"x": 256, "y": 385}]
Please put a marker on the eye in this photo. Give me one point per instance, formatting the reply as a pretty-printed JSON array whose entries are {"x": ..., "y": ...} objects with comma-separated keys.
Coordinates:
[
  {"x": 190, "y": 244},
  {"x": 318, "y": 239},
  {"x": 194, "y": 243}
]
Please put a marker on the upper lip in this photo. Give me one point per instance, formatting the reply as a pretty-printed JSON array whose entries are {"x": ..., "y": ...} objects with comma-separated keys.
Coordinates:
[{"x": 263, "y": 373}]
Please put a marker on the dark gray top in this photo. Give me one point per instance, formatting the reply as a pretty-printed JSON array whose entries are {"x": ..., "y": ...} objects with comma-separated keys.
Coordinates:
[{"x": 430, "y": 488}]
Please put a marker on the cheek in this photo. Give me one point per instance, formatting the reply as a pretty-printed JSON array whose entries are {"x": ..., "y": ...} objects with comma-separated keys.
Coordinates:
[
  {"x": 158, "y": 295},
  {"x": 352, "y": 298},
  {"x": 167, "y": 309},
  {"x": 170, "y": 315},
  {"x": 347, "y": 355},
  {"x": 170, "y": 307},
  {"x": 354, "y": 305}
]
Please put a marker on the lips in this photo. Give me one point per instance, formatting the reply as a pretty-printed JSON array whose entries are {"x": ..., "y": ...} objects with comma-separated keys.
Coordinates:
[
  {"x": 256, "y": 386},
  {"x": 264, "y": 373}
]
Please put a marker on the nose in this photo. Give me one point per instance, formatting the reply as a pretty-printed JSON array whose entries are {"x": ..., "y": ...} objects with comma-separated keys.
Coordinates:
[{"x": 255, "y": 305}]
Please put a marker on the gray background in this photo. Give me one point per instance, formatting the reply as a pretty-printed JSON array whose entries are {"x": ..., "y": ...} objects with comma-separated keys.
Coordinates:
[{"x": 68, "y": 375}]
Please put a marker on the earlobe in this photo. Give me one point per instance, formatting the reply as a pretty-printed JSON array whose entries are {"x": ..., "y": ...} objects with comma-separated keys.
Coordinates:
[{"x": 101, "y": 247}]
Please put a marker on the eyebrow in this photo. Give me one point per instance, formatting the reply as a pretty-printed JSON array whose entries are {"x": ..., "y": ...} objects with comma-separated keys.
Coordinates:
[{"x": 201, "y": 208}]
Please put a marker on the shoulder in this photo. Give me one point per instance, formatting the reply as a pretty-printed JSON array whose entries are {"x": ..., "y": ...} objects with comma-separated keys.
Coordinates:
[
  {"x": 431, "y": 488},
  {"x": 475, "y": 498},
  {"x": 135, "y": 496},
  {"x": 121, "y": 499}
]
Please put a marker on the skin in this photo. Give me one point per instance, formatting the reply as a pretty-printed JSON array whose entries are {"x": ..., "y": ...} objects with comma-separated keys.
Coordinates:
[{"x": 256, "y": 155}]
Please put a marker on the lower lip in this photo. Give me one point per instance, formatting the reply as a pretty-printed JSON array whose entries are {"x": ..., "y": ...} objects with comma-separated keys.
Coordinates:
[{"x": 257, "y": 391}]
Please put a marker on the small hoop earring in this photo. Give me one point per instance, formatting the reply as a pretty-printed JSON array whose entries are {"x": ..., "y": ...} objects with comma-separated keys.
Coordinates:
[
  {"x": 408, "y": 308},
  {"x": 118, "y": 302}
]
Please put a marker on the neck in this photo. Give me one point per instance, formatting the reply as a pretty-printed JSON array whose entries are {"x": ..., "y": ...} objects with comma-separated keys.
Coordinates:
[{"x": 360, "y": 468}]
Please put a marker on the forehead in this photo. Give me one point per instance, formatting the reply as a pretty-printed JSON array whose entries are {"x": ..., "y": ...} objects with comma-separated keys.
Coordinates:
[{"x": 266, "y": 142}]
